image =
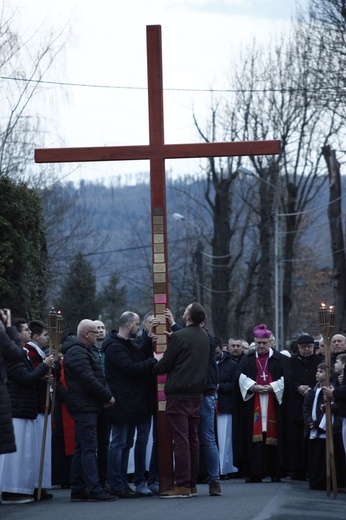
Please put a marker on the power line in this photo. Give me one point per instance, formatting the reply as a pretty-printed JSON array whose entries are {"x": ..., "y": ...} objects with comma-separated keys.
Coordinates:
[{"x": 201, "y": 90}]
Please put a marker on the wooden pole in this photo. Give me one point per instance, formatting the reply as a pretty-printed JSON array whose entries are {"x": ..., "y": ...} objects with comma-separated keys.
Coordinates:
[
  {"x": 327, "y": 326},
  {"x": 57, "y": 341},
  {"x": 52, "y": 325}
]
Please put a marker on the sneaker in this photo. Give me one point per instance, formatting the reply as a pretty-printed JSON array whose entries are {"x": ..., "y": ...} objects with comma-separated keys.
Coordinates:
[
  {"x": 194, "y": 492},
  {"x": 176, "y": 492},
  {"x": 16, "y": 498},
  {"x": 101, "y": 497},
  {"x": 154, "y": 488},
  {"x": 143, "y": 489},
  {"x": 126, "y": 493},
  {"x": 80, "y": 496},
  {"x": 214, "y": 488}
]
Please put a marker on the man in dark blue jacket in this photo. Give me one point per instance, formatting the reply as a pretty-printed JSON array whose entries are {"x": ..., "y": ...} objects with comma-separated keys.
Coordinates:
[
  {"x": 87, "y": 395},
  {"x": 126, "y": 367}
]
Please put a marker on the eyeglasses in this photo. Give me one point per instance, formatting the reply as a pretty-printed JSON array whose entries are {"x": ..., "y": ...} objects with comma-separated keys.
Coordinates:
[
  {"x": 306, "y": 346},
  {"x": 93, "y": 331}
]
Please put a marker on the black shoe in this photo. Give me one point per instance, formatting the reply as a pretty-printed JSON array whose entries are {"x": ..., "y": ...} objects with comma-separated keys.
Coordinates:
[
  {"x": 80, "y": 496},
  {"x": 126, "y": 493},
  {"x": 253, "y": 480},
  {"x": 44, "y": 495},
  {"x": 101, "y": 497},
  {"x": 298, "y": 476}
]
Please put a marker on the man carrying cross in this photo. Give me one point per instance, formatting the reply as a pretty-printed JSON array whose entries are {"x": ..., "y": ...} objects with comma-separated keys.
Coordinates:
[{"x": 261, "y": 414}]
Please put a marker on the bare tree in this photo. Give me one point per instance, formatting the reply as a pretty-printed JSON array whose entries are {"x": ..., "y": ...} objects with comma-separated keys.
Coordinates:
[
  {"x": 337, "y": 236},
  {"x": 23, "y": 65},
  {"x": 280, "y": 99}
]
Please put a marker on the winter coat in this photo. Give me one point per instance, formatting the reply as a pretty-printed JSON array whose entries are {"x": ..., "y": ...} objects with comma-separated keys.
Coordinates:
[
  {"x": 339, "y": 394},
  {"x": 23, "y": 386},
  {"x": 186, "y": 363},
  {"x": 304, "y": 373},
  {"x": 87, "y": 388},
  {"x": 127, "y": 367},
  {"x": 227, "y": 369},
  {"x": 10, "y": 351},
  {"x": 212, "y": 372}
]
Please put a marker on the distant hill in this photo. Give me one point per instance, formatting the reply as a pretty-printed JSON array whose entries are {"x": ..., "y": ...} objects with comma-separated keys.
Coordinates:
[{"x": 117, "y": 233}]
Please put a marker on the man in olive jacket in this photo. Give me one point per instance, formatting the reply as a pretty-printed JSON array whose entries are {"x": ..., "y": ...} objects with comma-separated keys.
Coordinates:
[
  {"x": 88, "y": 394},
  {"x": 186, "y": 363}
]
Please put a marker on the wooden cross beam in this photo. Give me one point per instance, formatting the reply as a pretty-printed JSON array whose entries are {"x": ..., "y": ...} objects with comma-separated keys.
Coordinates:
[{"x": 156, "y": 152}]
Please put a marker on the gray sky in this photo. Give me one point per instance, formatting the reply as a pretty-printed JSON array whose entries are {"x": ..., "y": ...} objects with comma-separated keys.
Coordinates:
[{"x": 108, "y": 48}]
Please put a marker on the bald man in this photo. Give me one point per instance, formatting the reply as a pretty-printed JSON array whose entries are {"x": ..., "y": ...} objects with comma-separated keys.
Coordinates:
[
  {"x": 338, "y": 346},
  {"x": 88, "y": 394}
]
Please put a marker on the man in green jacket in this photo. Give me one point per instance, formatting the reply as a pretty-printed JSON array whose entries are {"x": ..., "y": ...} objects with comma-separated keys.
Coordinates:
[{"x": 186, "y": 363}]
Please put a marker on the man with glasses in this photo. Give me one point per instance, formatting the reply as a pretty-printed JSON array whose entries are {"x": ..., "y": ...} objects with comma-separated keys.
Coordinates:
[
  {"x": 88, "y": 394},
  {"x": 304, "y": 368},
  {"x": 261, "y": 411}
]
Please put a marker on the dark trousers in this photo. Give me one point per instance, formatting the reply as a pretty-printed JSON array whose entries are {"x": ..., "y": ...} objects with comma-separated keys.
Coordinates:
[
  {"x": 140, "y": 452},
  {"x": 183, "y": 417},
  {"x": 84, "y": 472},
  {"x": 103, "y": 438}
]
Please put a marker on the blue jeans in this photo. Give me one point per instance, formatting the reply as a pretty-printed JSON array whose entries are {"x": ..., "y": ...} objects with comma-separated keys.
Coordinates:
[
  {"x": 154, "y": 459},
  {"x": 84, "y": 472},
  {"x": 206, "y": 433},
  {"x": 140, "y": 454},
  {"x": 118, "y": 458}
]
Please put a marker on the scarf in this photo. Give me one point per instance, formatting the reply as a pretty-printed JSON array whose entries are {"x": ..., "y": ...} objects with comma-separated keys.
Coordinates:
[{"x": 264, "y": 378}]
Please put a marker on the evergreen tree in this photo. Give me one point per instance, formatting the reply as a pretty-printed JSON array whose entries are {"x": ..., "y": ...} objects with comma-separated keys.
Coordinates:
[
  {"x": 23, "y": 256},
  {"x": 78, "y": 296},
  {"x": 112, "y": 302}
]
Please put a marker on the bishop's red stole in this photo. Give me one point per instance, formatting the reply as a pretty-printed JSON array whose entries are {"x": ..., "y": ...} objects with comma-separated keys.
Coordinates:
[
  {"x": 264, "y": 378},
  {"x": 68, "y": 422}
]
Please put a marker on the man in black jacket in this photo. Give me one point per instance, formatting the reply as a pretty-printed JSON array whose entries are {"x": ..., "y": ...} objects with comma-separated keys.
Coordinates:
[
  {"x": 304, "y": 368},
  {"x": 126, "y": 368},
  {"x": 87, "y": 395}
]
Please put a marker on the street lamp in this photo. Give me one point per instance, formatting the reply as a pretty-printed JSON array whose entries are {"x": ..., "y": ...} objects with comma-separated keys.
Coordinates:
[
  {"x": 277, "y": 259},
  {"x": 198, "y": 256}
]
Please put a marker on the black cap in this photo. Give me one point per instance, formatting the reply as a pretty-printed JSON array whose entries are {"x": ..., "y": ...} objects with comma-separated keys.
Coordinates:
[{"x": 305, "y": 338}]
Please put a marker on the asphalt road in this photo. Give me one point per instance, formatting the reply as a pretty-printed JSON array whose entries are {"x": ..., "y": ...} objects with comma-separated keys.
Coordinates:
[{"x": 239, "y": 501}]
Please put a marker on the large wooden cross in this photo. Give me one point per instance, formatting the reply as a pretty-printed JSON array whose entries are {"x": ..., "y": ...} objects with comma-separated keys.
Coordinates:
[{"x": 157, "y": 151}]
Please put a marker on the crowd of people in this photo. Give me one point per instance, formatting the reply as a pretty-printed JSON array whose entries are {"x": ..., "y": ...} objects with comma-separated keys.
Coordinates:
[{"x": 234, "y": 410}]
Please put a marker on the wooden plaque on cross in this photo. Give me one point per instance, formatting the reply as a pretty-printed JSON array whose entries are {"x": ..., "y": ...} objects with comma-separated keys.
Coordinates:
[{"x": 157, "y": 152}]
